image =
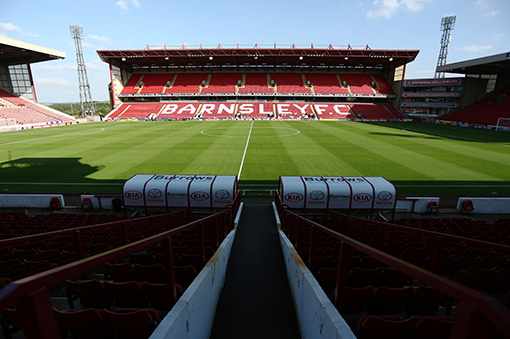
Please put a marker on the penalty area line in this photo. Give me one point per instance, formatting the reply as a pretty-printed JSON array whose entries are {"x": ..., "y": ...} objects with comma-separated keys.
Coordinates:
[{"x": 245, "y": 149}]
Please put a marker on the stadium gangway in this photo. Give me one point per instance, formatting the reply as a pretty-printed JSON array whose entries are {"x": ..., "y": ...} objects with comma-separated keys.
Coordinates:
[
  {"x": 476, "y": 313},
  {"x": 31, "y": 295}
]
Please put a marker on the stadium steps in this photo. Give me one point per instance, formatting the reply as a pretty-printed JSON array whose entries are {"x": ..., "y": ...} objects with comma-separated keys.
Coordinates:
[
  {"x": 340, "y": 82},
  {"x": 352, "y": 111},
  {"x": 389, "y": 111},
  {"x": 243, "y": 80},
  {"x": 256, "y": 300},
  {"x": 123, "y": 111},
  {"x": 139, "y": 87},
  {"x": 171, "y": 84},
  {"x": 306, "y": 86}
]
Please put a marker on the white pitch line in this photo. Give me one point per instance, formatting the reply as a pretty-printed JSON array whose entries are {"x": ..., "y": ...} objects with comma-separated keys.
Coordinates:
[
  {"x": 245, "y": 149},
  {"x": 54, "y": 136}
]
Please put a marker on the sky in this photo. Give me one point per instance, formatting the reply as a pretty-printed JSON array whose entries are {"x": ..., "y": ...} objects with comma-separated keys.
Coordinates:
[{"x": 482, "y": 28}]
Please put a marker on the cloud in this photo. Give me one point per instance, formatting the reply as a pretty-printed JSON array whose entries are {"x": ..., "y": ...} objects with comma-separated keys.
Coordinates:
[
  {"x": 96, "y": 65},
  {"x": 499, "y": 36},
  {"x": 385, "y": 9},
  {"x": 101, "y": 38},
  {"x": 475, "y": 48},
  {"x": 55, "y": 67},
  {"x": 8, "y": 27},
  {"x": 53, "y": 81},
  {"x": 487, "y": 8},
  {"x": 124, "y": 5}
]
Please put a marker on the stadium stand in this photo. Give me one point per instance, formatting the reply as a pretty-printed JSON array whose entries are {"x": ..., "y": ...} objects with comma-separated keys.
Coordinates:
[
  {"x": 26, "y": 112},
  {"x": 290, "y": 83},
  {"x": 129, "y": 302},
  {"x": 486, "y": 111},
  {"x": 371, "y": 291},
  {"x": 359, "y": 83},
  {"x": 326, "y": 83},
  {"x": 255, "y": 83},
  {"x": 373, "y": 112},
  {"x": 154, "y": 83},
  {"x": 187, "y": 83},
  {"x": 222, "y": 83}
]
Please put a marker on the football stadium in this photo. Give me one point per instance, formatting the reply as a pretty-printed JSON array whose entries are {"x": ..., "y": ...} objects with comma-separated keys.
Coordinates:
[{"x": 265, "y": 191}]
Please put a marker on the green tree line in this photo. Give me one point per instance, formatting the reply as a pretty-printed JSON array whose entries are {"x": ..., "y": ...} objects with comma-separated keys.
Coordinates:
[{"x": 102, "y": 108}]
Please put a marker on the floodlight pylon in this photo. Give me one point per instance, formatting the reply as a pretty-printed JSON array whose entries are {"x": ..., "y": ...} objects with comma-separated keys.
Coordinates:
[
  {"x": 447, "y": 24},
  {"x": 87, "y": 105}
]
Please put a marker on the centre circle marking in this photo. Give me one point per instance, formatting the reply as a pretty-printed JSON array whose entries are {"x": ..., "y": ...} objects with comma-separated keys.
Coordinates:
[{"x": 292, "y": 132}]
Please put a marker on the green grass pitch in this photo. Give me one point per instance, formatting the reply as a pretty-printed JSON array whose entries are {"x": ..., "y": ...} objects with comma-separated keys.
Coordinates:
[{"x": 98, "y": 157}]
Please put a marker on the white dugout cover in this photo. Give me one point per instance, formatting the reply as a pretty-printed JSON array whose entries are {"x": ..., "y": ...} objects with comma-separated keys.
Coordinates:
[
  {"x": 168, "y": 190},
  {"x": 344, "y": 193}
]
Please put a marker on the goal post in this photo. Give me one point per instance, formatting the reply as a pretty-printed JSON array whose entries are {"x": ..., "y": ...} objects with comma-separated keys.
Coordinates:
[{"x": 503, "y": 124}]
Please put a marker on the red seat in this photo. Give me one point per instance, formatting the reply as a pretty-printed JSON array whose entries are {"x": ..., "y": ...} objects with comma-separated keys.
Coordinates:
[
  {"x": 361, "y": 277},
  {"x": 90, "y": 292},
  {"x": 433, "y": 327},
  {"x": 160, "y": 295},
  {"x": 391, "y": 277},
  {"x": 119, "y": 272},
  {"x": 142, "y": 258},
  {"x": 131, "y": 323},
  {"x": 467, "y": 206},
  {"x": 385, "y": 327},
  {"x": 81, "y": 324},
  {"x": 126, "y": 294},
  {"x": 185, "y": 275},
  {"x": 426, "y": 301},
  {"x": 326, "y": 277},
  {"x": 151, "y": 273},
  {"x": 353, "y": 300},
  {"x": 388, "y": 301}
]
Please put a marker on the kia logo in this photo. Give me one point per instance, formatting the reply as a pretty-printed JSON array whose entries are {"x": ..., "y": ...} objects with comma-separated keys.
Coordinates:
[
  {"x": 385, "y": 196},
  {"x": 155, "y": 193},
  {"x": 199, "y": 196},
  {"x": 317, "y": 195},
  {"x": 293, "y": 197},
  {"x": 362, "y": 197},
  {"x": 222, "y": 194},
  {"x": 133, "y": 195}
]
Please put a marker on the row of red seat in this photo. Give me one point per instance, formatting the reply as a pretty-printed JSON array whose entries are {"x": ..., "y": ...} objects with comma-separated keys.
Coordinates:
[
  {"x": 26, "y": 112},
  {"x": 361, "y": 285},
  {"x": 255, "y": 110},
  {"x": 486, "y": 112},
  {"x": 283, "y": 83}
]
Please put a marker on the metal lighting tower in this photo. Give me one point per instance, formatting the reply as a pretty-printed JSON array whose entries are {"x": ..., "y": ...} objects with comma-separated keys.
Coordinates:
[
  {"x": 447, "y": 24},
  {"x": 87, "y": 105}
]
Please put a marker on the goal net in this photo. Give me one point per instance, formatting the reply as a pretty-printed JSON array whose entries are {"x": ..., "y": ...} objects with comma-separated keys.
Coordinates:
[{"x": 503, "y": 124}]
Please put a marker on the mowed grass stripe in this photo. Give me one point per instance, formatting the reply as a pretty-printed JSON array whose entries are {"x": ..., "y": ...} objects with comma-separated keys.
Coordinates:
[
  {"x": 343, "y": 140},
  {"x": 311, "y": 154},
  {"x": 470, "y": 155},
  {"x": 220, "y": 154},
  {"x": 430, "y": 167},
  {"x": 266, "y": 157}
]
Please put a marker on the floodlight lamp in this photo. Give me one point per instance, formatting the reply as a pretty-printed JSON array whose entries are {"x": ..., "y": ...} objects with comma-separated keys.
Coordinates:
[
  {"x": 123, "y": 59},
  {"x": 346, "y": 58},
  {"x": 210, "y": 58},
  {"x": 301, "y": 58},
  {"x": 390, "y": 59}
]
